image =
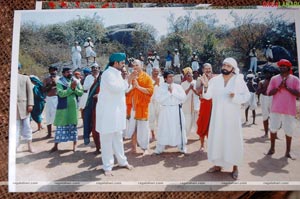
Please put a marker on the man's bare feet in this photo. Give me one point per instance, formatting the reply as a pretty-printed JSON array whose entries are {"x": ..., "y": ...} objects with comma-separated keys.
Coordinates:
[
  {"x": 202, "y": 149},
  {"x": 108, "y": 173},
  {"x": 54, "y": 149},
  {"x": 288, "y": 155},
  {"x": 271, "y": 152},
  {"x": 264, "y": 136},
  {"x": 127, "y": 166},
  {"x": 48, "y": 136}
]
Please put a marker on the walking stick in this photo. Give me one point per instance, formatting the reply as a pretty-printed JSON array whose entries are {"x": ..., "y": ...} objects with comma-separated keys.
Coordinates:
[{"x": 180, "y": 105}]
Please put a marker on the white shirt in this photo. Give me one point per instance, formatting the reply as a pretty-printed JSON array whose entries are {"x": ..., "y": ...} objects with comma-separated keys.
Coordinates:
[{"x": 111, "y": 106}]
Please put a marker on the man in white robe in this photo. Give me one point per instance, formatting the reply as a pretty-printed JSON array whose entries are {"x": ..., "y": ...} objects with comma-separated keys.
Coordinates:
[
  {"x": 89, "y": 52},
  {"x": 111, "y": 113},
  {"x": 171, "y": 122},
  {"x": 88, "y": 82},
  {"x": 225, "y": 141},
  {"x": 191, "y": 105},
  {"x": 76, "y": 56},
  {"x": 176, "y": 61}
]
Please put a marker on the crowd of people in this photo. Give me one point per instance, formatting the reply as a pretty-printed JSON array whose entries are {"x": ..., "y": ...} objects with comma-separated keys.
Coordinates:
[{"x": 142, "y": 103}]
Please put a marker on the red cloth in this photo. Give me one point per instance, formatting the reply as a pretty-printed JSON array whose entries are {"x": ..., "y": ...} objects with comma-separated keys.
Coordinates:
[{"x": 204, "y": 117}]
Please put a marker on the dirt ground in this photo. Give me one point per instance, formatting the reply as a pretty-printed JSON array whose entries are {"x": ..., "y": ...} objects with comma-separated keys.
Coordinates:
[{"x": 70, "y": 171}]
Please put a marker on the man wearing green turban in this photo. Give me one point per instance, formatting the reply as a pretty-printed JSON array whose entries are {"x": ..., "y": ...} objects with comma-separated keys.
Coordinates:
[{"x": 111, "y": 112}]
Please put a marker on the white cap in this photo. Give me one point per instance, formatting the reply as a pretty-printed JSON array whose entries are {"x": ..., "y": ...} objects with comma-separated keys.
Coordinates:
[{"x": 95, "y": 64}]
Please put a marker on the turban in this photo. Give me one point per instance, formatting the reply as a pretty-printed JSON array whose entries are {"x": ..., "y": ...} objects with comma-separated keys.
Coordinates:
[
  {"x": 86, "y": 70},
  {"x": 77, "y": 73},
  {"x": 168, "y": 72},
  {"x": 118, "y": 57},
  {"x": 285, "y": 63},
  {"x": 186, "y": 70},
  {"x": 232, "y": 62}
]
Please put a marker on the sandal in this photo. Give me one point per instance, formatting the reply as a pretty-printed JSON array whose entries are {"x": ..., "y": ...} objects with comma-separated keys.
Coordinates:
[
  {"x": 214, "y": 169},
  {"x": 235, "y": 174}
]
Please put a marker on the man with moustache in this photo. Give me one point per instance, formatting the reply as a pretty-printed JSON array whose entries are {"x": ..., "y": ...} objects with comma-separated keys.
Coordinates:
[
  {"x": 66, "y": 117},
  {"x": 111, "y": 112},
  {"x": 284, "y": 88},
  {"x": 225, "y": 142}
]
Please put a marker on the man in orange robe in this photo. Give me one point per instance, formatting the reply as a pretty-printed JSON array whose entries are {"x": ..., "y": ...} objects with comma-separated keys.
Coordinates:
[
  {"x": 138, "y": 100},
  {"x": 205, "y": 109}
]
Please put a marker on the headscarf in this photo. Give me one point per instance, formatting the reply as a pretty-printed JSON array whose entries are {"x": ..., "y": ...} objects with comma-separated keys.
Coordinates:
[
  {"x": 232, "y": 62},
  {"x": 36, "y": 80},
  {"x": 186, "y": 70}
]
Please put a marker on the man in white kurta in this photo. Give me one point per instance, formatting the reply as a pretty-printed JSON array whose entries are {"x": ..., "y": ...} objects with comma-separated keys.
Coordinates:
[
  {"x": 89, "y": 52},
  {"x": 111, "y": 113},
  {"x": 225, "y": 142},
  {"x": 191, "y": 105},
  {"x": 76, "y": 56},
  {"x": 88, "y": 82},
  {"x": 171, "y": 122}
]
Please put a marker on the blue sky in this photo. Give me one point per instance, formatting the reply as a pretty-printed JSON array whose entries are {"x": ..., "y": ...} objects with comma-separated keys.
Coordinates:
[{"x": 157, "y": 17}]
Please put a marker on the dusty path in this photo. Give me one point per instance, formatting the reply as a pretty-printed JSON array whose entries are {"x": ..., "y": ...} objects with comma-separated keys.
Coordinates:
[{"x": 166, "y": 172}]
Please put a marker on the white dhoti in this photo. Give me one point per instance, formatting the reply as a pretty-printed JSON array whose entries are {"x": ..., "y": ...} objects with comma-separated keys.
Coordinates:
[
  {"x": 191, "y": 123},
  {"x": 112, "y": 144},
  {"x": 266, "y": 102},
  {"x": 50, "y": 108},
  {"x": 24, "y": 130},
  {"x": 153, "y": 115},
  {"x": 142, "y": 129},
  {"x": 89, "y": 52},
  {"x": 252, "y": 102}
]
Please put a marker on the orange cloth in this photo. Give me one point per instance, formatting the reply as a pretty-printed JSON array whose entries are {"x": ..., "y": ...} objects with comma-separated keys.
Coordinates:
[
  {"x": 140, "y": 100},
  {"x": 204, "y": 117}
]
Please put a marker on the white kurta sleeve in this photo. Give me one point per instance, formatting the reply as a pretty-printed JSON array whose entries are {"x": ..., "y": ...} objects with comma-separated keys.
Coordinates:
[
  {"x": 241, "y": 91},
  {"x": 179, "y": 93},
  {"x": 114, "y": 84},
  {"x": 88, "y": 82}
]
